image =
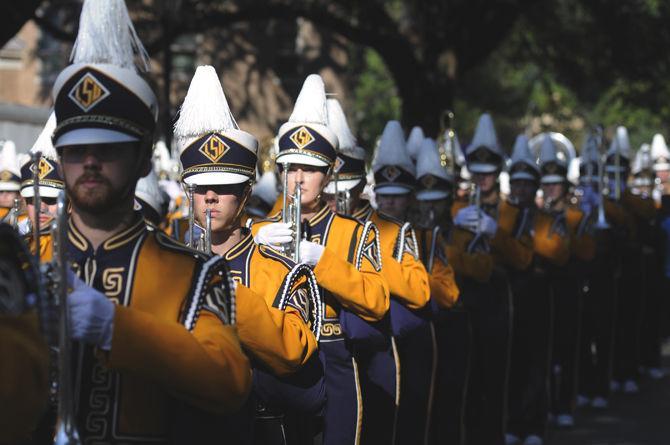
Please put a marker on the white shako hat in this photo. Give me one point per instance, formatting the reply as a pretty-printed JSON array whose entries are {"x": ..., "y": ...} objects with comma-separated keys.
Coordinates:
[
  {"x": 484, "y": 154},
  {"x": 588, "y": 161},
  {"x": 432, "y": 180},
  {"x": 642, "y": 167},
  {"x": 148, "y": 192},
  {"x": 642, "y": 162},
  {"x": 51, "y": 182},
  {"x": 415, "y": 142},
  {"x": 573, "y": 170},
  {"x": 621, "y": 144},
  {"x": 553, "y": 167},
  {"x": 660, "y": 153},
  {"x": 393, "y": 168},
  {"x": 101, "y": 98},
  {"x": 162, "y": 161},
  {"x": 350, "y": 162},
  {"x": 266, "y": 188},
  {"x": 10, "y": 171},
  {"x": 213, "y": 148},
  {"x": 523, "y": 164},
  {"x": 306, "y": 137}
]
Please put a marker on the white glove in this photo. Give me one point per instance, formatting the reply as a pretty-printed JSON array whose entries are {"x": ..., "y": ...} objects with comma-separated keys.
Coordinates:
[
  {"x": 466, "y": 218},
  {"x": 310, "y": 253},
  {"x": 487, "y": 225},
  {"x": 274, "y": 235},
  {"x": 91, "y": 314}
]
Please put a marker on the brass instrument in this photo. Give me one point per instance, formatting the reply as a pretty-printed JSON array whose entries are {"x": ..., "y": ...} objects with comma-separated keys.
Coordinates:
[
  {"x": 433, "y": 248},
  {"x": 479, "y": 242},
  {"x": 13, "y": 219},
  {"x": 37, "y": 203},
  {"x": 601, "y": 223},
  {"x": 191, "y": 216},
  {"x": 447, "y": 148},
  {"x": 55, "y": 274},
  {"x": 292, "y": 215},
  {"x": 342, "y": 198},
  {"x": 207, "y": 239},
  {"x": 617, "y": 173}
]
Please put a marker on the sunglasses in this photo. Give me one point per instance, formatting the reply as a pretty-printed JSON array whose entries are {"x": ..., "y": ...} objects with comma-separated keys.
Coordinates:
[
  {"x": 102, "y": 152},
  {"x": 45, "y": 200}
]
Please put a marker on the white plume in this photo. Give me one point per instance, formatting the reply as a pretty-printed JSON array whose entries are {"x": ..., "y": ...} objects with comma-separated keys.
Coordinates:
[
  {"x": 205, "y": 108},
  {"x": 392, "y": 149},
  {"x": 107, "y": 35},
  {"x": 415, "y": 141},
  {"x": 310, "y": 106},
  {"x": 337, "y": 122},
  {"x": 43, "y": 142}
]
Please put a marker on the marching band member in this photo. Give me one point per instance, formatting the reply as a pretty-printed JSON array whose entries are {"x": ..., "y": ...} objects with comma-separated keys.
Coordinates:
[
  {"x": 434, "y": 187},
  {"x": 378, "y": 365},
  {"x": 532, "y": 294},
  {"x": 408, "y": 282},
  {"x": 50, "y": 185},
  {"x": 10, "y": 180},
  {"x": 639, "y": 213},
  {"x": 274, "y": 327},
  {"x": 642, "y": 169},
  {"x": 564, "y": 271},
  {"x": 343, "y": 252},
  {"x": 24, "y": 368},
  {"x": 599, "y": 308},
  {"x": 152, "y": 321},
  {"x": 484, "y": 289},
  {"x": 660, "y": 155}
]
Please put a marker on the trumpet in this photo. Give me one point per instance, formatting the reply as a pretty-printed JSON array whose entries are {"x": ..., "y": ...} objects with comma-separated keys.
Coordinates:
[
  {"x": 292, "y": 215},
  {"x": 207, "y": 236},
  {"x": 447, "y": 148},
  {"x": 191, "y": 216},
  {"x": 601, "y": 223},
  {"x": 13, "y": 219},
  {"x": 342, "y": 198},
  {"x": 478, "y": 243},
  {"x": 54, "y": 274},
  {"x": 37, "y": 203}
]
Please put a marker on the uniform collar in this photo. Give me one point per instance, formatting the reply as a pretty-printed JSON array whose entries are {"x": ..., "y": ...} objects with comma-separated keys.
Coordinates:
[
  {"x": 115, "y": 241},
  {"x": 238, "y": 249},
  {"x": 319, "y": 215}
]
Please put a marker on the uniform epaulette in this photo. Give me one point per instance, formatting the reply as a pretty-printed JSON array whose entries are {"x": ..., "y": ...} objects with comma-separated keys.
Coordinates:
[
  {"x": 268, "y": 252},
  {"x": 372, "y": 250},
  {"x": 173, "y": 245}
]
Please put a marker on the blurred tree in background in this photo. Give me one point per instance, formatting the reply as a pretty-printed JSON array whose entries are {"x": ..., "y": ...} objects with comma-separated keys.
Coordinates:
[{"x": 563, "y": 65}]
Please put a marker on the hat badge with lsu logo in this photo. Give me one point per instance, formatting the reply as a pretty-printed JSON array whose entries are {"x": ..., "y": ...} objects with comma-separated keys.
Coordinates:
[
  {"x": 214, "y": 148},
  {"x": 391, "y": 173},
  {"x": 44, "y": 167},
  {"x": 429, "y": 181},
  {"x": 302, "y": 137},
  {"x": 88, "y": 92}
]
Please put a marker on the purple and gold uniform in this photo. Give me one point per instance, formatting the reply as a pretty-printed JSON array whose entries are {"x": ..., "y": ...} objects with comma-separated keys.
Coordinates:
[
  {"x": 412, "y": 346},
  {"x": 349, "y": 274},
  {"x": 130, "y": 393}
]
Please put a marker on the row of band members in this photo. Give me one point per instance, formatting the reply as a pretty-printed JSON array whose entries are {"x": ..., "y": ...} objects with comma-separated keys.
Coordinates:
[{"x": 383, "y": 333}]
